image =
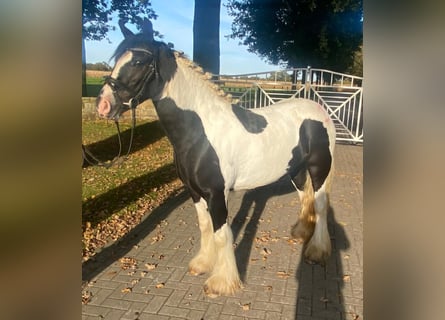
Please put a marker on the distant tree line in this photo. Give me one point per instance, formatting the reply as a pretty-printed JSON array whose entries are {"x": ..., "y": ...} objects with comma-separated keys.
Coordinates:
[{"x": 99, "y": 66}]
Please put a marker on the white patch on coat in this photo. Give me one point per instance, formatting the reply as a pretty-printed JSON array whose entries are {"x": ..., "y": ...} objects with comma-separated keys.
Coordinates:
[
  {"x": 107, "y": 90},
  {"x": 123, "y": 60},
  {"x": 247, "y": 160}
]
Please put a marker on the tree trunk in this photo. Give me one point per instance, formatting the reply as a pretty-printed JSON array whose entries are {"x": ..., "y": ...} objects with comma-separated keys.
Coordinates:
[
  {"x": 206, "y": 35},
  {"x": 84, "y": 70}
]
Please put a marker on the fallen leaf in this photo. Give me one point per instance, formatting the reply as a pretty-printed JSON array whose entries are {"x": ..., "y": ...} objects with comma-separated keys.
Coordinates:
[
  {"x": 160, "y": 285},
  {"x": 324, "y": 299},
  {"x": 157, "y": 238},
  {"x": 126, "y": 290},
  {"x": 266, "y": 251},
  {"x": 127, "y": 263},
  {"x": 246, "y": 306},
  {"x": 86, "y": 297},
  {"x": 346, "y": 278},
  {"x": 283, "y": 274},
  {"x": 151, "y": 266}
]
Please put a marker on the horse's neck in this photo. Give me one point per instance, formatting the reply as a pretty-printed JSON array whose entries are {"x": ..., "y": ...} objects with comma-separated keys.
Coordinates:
[{"x": 191, "y": 91}]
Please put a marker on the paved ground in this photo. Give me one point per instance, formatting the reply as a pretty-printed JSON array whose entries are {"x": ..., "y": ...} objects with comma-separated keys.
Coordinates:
[{"x": 145, "y": 275}]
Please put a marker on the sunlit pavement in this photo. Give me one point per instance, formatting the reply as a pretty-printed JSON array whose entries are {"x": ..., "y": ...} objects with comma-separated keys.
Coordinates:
[{"x": 145, "y": 276}]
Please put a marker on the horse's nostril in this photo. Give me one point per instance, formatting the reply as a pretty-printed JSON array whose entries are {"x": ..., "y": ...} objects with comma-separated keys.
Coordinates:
[{"x": 103, "y": 107}]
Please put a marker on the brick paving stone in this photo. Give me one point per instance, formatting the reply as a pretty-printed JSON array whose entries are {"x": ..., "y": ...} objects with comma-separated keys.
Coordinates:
[
  {"x": 195, "y": 315},
  {"x": 145, "y": 316},
  {"x": 155, "y": 304},
  {"x": 174, "y": 312},
  {"x": 115, "y": 314},
  {"x": 97, "y": 311},
  {"x": 175, "y": 298},
  {"x": 277, "y": 285}
]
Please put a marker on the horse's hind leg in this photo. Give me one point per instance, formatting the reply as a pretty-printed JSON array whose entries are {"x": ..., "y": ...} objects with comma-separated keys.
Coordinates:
[
  {"x": 318, "y": 249},
  {"x": 317, "y": 150},
  {"x": 303, "y": 229}
]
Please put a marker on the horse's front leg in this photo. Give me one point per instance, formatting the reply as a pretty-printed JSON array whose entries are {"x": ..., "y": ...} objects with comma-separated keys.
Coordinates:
[
  {"x": 217, "y": 253},
  {"x": 204, "y": 261}
]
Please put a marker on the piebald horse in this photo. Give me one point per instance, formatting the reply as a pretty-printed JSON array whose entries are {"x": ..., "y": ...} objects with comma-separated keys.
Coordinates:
[{"x": 219, "y": 147}]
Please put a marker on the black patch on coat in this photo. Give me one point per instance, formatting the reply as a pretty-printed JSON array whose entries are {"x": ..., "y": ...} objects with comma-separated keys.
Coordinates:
[
  {"x": 196, "y": 160},
  {"x": 312, "y": 154},
  {"x": 252, "y": 122}
]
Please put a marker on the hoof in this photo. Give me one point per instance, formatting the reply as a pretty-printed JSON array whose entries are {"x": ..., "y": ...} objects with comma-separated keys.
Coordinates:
[
  {"x": 302, "y": 232},
  {"x": 217, "y": 286},
  {"x": 199, "y": 266},
  {"x": 315, "y": 255}
]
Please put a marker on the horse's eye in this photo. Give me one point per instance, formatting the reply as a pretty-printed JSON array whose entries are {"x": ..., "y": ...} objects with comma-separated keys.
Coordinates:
[{"x": 137, "y": 63}]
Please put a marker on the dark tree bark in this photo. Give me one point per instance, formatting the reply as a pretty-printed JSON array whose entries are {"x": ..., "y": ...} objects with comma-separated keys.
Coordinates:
[
  {"x": 206, "y": 35},
  {"x": 84, "y": 70}
]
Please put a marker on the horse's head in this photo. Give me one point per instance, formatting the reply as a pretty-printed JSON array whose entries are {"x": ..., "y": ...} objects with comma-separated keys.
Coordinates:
[{"x": 142, "y": 68}]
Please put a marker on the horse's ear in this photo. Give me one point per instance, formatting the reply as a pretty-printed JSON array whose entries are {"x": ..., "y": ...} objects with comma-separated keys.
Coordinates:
[
  {"x": 125, "y": 31},
  {"x": 147, "y": 29},
  {"x": 166, "y": 62}
]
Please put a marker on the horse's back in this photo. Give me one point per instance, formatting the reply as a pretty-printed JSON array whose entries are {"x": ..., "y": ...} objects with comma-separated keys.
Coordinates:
[{"x": 298, "y": 108}]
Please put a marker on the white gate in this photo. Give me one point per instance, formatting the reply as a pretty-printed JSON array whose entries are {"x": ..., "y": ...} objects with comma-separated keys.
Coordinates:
[{"x": 340, "y": 94}]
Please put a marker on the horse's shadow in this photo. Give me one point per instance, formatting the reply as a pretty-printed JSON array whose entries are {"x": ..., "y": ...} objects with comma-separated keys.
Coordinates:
[
  {"x": 255, "y": 199},
  {"x": 319, "y": 288}
]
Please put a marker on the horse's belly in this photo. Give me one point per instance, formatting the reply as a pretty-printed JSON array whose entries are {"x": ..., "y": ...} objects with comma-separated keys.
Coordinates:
[{"x": 258, "y": 170}]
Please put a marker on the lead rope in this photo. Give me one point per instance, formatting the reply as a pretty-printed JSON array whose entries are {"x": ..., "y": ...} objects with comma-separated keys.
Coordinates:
[{"x": 118, "y": 159}]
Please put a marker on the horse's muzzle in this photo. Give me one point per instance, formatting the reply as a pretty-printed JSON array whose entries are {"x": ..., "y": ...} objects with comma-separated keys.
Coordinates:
[{"x": 104, "y": 108}]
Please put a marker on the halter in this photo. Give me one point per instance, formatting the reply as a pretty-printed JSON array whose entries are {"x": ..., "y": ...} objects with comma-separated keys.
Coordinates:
[
  {"x": 131, "y": 104},
  {"x": 116, "y": 84}
]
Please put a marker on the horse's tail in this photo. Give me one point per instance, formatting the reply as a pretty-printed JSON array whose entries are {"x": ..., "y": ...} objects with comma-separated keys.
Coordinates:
[{"x": 304, "y": 228}]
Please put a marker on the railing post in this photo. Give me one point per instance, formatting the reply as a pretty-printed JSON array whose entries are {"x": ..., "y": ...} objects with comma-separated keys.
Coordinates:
[
  {"x": 307, "y": 82},
  {"x": 294, "y": 80}
]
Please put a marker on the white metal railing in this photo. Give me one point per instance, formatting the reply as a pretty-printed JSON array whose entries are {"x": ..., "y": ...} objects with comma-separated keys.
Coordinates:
[{"x": 340, "y": 94}]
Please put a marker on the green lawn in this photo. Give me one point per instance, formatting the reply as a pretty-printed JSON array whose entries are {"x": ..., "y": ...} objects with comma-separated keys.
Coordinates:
[{"x": 115, "y": 199}]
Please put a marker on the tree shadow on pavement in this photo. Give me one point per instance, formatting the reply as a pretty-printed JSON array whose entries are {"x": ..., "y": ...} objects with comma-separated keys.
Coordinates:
[
  {"x": 120, "y": 248},
  {"x": 320, "y": 288}
]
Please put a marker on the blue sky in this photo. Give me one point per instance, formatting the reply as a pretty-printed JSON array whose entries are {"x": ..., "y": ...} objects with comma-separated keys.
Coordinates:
[{"x": 175, "y": 22}]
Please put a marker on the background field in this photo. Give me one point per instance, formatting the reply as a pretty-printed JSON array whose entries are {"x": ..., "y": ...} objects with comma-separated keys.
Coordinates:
[{"x": 95, "y": 80}]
